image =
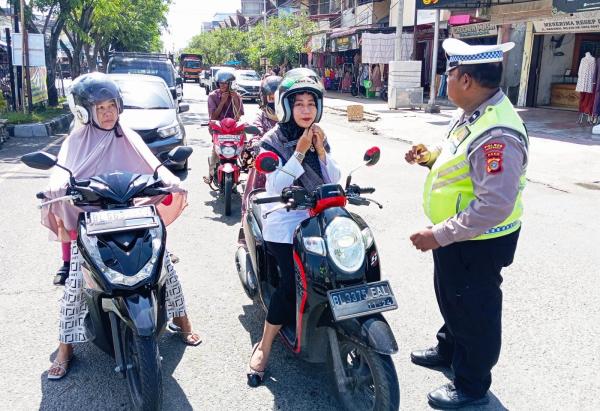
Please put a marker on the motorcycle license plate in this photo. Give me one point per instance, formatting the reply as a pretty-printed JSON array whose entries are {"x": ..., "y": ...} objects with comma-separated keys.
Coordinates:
[
  {"x": 361, "y": 300},
  {"x": 228, "y": 138},
  {"x": 125, "y": 219}
]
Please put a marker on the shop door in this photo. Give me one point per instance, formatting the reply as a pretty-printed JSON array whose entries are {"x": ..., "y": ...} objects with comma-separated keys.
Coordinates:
[{"x": 534, "y": 71}]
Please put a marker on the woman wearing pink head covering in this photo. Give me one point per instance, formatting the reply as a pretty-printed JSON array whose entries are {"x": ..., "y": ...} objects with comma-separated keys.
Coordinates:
[{"x": 102, "y": 145}]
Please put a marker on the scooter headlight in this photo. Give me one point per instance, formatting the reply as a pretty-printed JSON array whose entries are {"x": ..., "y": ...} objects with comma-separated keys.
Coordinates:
[
  {"x": 115, "y": 277},
  {"x": 228, "y": 151},
  {"x": 345, "y": 244}
]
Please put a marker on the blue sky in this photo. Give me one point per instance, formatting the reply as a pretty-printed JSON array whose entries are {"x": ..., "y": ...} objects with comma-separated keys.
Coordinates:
[{"x": 185, "y": 17}]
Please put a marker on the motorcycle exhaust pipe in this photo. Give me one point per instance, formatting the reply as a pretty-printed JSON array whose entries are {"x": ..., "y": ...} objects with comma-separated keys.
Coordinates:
[{"x": 246, "y": 272}]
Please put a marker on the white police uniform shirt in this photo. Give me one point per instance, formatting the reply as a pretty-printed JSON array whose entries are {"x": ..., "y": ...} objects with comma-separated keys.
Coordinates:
[{"x": 279, "y": 226}]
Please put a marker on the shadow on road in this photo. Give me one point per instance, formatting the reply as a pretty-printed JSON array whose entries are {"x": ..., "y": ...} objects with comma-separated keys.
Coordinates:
[
  {"x": 15, "y": 148},
  {"x": 93, "y": 384},
  {"x": 218, "y": 208},
  {"x": 285, "y": 371}
]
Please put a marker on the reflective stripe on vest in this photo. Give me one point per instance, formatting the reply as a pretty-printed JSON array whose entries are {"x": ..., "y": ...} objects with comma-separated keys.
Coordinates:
[{"x": 449, "y": 188}]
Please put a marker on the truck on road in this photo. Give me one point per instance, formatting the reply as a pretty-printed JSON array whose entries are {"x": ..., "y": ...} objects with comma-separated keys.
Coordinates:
[{"x": 190, "y": 66}]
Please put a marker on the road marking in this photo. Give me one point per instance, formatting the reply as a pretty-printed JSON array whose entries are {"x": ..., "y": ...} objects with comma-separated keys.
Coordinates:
[{"x": 12, "y": 171}]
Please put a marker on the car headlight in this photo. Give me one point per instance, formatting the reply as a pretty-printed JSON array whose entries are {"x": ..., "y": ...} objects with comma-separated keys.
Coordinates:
[
  {"x": 345, "y": 244},
  {"x": 228, "y": 151},
  {"x": 115, "y": 277},
  {"x": 169, "y": 131}
]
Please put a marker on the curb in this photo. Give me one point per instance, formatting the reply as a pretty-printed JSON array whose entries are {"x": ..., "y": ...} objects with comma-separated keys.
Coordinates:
[{"x": 57, "y": 125}]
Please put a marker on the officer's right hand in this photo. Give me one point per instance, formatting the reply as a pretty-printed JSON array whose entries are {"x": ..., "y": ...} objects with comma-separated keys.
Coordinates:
[{"x": 419, "y": 154}]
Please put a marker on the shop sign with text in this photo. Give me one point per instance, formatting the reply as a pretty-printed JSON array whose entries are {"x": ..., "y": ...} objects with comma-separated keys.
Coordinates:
[
  {"x": 569, "y": 24},
  {"x": 474, "y": 30},
  {"x": 344, "y": 43}
]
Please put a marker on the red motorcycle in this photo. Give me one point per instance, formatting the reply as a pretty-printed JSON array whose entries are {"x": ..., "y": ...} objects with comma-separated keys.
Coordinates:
[{"x": 229, "y": 141}]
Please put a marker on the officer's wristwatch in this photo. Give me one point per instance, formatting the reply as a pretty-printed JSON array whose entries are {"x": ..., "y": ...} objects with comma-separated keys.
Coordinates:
[{"x": 299, "y": 156}]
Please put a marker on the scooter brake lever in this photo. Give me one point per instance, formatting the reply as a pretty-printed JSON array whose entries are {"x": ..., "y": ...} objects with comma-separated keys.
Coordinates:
[
  {"x": 373, "y": 201},
  {"x": 279, "y": 207}
]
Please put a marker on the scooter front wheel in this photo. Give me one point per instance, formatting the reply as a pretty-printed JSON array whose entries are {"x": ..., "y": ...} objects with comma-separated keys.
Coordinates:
[
  {"x": 370, "y": 382},
  {"x": 143, "y": 370},
  {"x": 228, "y": 190}
]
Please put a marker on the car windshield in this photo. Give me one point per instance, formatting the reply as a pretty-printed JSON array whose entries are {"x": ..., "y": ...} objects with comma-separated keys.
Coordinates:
[
  {"x": 248, "y": 75},
  {"x": 148, "y": 95},
  {"x": 191, "y": 64},
  {"x": 149, "y": 67}
]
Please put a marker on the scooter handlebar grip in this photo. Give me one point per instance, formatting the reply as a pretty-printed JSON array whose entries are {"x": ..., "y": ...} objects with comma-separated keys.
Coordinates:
[
  {"x": 367, "y": 190},
  {"x": 266, "y": 200}
]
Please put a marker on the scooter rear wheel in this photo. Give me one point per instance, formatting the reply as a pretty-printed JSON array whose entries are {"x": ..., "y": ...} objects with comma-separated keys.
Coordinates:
[
  {"x": 144, "y": 375},
  {"x": 372, "y": 382}
]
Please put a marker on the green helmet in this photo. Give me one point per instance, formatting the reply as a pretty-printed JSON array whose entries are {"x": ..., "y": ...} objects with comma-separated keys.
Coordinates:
[{"x": 301, "y": 80}]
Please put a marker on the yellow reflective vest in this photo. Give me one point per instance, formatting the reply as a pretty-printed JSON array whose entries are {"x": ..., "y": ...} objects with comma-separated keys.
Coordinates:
[{"x": 449, "y": 188}]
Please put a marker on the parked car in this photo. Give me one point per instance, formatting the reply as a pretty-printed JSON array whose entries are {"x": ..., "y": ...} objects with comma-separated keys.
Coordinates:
[
  {"x": 150, "y": 64},
  {"x": 149, "y": 109},
  {"x": 247, "y": 84}
]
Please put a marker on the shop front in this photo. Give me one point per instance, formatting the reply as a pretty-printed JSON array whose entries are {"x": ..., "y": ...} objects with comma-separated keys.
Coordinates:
[
  {"x": 344, "y": 61},
  {"x": 560, "y": 46}
]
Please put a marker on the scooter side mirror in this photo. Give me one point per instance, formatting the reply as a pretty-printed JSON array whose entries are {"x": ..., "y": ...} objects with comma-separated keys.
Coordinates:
[
  {"x": 40, "y": 160},
  {"x": 266, "y": 162},
  {"x": 372, "y": 156},
  {"x": 179, "y": 154},
  {"x": 251, "y": 130}
]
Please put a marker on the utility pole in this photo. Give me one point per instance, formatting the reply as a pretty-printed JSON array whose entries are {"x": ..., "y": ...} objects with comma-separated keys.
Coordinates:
[
  {"x": 265, "y": 13},
  {"x": 25, "y": 49},
  {"x": 399, "y": 28},
  {"x": 432, "y": 107}
]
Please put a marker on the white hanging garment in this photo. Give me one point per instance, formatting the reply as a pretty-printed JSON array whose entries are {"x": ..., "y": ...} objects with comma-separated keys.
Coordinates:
[{"x": 586, "y": 74}]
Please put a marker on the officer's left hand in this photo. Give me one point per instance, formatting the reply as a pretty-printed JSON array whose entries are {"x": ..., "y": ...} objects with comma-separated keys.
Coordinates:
[{"x": 424, "y": 240}]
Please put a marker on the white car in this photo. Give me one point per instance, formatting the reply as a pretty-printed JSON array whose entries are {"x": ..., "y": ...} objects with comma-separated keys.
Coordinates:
[
  {"x": 247, "y": 84},
  {"x": 149, "y": 109}
]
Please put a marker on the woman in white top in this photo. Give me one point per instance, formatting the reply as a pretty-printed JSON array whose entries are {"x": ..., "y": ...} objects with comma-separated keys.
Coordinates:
[{"x": 305, "y": 159}]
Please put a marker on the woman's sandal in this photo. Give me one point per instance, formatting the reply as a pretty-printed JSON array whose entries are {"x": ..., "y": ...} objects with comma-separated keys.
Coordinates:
[
  {"x": 63, "y": 366},
  {"x": 175, "y": 329},
  {"x": 255, "y": 377}
]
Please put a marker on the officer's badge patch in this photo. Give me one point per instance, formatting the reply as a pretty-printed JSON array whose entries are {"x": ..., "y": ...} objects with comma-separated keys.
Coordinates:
[{"x": 494, "y": 152}]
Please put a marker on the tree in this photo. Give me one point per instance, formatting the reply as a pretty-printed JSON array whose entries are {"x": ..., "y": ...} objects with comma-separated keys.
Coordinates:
[
  {"x": 281, "y": 41},
  {"x": 220, "y": 46}
]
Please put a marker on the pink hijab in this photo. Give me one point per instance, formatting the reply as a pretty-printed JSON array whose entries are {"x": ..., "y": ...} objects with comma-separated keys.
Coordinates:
[{"x": 89, "y": 151}]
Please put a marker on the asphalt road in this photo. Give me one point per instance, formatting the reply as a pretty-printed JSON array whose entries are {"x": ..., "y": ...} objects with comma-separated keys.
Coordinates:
[{"x": 551, "y": 338}]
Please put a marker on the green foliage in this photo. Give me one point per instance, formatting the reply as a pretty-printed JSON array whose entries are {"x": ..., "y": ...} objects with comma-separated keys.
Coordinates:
[
  {"x": 39, "y": 114},
  {"x": 281, "y": 40}
]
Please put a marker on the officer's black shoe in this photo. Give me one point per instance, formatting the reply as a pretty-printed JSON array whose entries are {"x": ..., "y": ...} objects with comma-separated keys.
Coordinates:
[
  {"x": 62, "y": 274},
  {"x": 429, "y": 357},
  {"x": 448, "y": 397}
]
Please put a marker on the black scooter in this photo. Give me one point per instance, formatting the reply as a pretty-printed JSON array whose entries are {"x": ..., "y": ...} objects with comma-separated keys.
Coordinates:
[
  {"x": 340, "y": 295},
  {"x": 122, "y": 248}
]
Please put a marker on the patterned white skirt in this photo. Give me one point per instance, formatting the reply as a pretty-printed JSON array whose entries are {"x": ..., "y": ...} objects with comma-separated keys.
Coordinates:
[{"x": 73, "y": 307}]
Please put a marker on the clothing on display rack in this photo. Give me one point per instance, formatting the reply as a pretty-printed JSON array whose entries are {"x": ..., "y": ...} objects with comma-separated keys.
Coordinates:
[
  {"x": 376, "y": 77},
  {"x": 596, "y": 108},
  {"x": 443, "y": 86},
  {"x": 586, "y": 74}
]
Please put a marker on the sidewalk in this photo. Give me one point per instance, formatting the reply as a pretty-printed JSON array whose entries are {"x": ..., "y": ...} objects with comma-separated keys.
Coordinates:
[{"x": 563, "y": 154}]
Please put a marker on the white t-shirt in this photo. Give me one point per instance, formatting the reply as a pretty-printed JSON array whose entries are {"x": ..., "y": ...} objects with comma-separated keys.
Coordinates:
[{"x": 279, "y": 226}]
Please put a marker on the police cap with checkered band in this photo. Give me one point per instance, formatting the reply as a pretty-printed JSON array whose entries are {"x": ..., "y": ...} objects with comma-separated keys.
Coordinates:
[{"x": 460, "y": 53}]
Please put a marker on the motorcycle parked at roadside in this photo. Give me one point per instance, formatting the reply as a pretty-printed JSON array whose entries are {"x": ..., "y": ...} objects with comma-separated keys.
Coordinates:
[
  {"x": 340, "y": 295},
  {"x": 229, "y": 142},
  {"x": 122, "y": 247}
]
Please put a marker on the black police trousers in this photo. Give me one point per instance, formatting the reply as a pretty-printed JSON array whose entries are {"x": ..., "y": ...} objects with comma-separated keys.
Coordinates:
[
  {"x": 282, "y": 307},
  {"x": 467, "y": 286}
]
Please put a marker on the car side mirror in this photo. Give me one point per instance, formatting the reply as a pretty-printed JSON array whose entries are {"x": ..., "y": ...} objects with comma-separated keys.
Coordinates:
[
  {"x": 372, "y": 156},
  {"x": 39, "y": 160},
  {"x": 251, "y": 130},
  {"x": 184, "y": 108},
  {"x": 266, "y": 162},
  {"x": 180, "y": 154}
]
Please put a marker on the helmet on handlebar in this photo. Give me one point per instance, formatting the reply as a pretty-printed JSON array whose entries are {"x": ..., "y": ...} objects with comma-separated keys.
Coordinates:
[
  {"x": 298, "y": 81},
  {"x": 90, "y": 89},
  {"x": 268, "y": 87}
]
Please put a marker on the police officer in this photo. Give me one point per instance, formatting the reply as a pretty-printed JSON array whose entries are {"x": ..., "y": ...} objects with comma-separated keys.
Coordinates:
[{"x": 472, "y": 196}]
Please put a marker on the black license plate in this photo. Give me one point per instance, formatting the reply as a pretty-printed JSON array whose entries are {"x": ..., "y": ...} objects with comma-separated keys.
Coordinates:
[{"x": 361, "y": 300}]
